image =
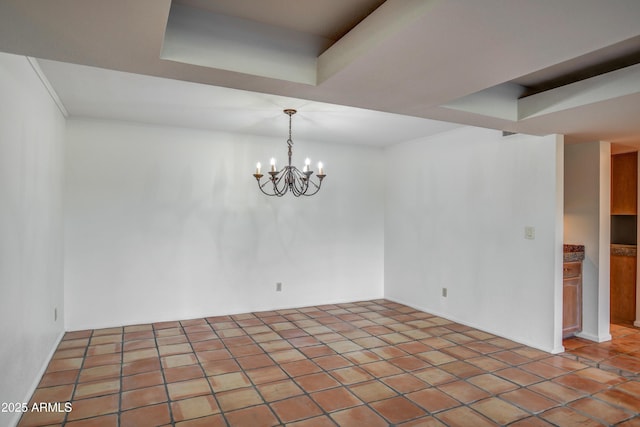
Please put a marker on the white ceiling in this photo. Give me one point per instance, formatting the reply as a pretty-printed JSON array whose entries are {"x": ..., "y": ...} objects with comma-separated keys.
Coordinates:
[
  {"x": 327, "y": 18},
  {"x": 459, "y": 61},
  {"x": 98, "y": 93}
]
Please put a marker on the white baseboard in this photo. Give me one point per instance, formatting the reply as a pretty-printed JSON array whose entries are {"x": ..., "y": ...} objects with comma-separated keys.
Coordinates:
[
  {"x": 592, "y": 337},
  {"x": 558, "y": 350}
]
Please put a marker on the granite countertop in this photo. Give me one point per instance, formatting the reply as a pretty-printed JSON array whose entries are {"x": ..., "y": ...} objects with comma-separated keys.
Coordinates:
[
  {"x": 623, "y": 250},
  {"x": 573, "y": 253}
]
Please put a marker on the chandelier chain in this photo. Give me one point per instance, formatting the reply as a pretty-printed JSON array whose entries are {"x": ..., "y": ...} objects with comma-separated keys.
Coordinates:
[{"x": 290, "y": 112}]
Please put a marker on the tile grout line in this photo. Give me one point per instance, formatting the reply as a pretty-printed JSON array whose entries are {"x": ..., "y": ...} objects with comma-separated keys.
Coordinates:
[
  {"x": 84, "y": 359},
  {"x": 164, "y": 377},
  {"x": 119, "y": 415},
  {"x": 204, "y": 373},
  {"x": 77, "y": 381}
]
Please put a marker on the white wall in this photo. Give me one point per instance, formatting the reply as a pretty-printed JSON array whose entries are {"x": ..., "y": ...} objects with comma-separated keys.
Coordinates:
[
  {"x": 168, "y": 223},
  {"x": 587, "y": 175},
  {"x": 31, "y": 278},
  {"x": 457, "y": 205}
]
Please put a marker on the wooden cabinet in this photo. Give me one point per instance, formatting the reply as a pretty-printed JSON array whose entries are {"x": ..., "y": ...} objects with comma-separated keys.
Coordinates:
[
  {"x": 572, "y": 298},
  {"x": 623, "y": 284},
  {"x": 624, "y": 208},
  {"x": 624, "y": 184}
]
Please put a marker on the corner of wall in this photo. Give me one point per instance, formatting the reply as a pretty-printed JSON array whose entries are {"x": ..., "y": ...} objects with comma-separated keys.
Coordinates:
[
  {"x": 559, "y": 246},
  {"x": 31, "y": 167}
]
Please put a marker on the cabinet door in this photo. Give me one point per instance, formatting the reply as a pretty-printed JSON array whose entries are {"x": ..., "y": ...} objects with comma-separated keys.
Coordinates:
[
  {"x": 624, "y": 184},
  {"x": 623, "y": 289},
  {"x": 571, "y": 306},
  {"x": 571, "y": 269}
]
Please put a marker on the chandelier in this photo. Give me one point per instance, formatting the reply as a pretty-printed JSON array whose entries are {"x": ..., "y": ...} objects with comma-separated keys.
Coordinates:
[{"x": 290, "y": 178}]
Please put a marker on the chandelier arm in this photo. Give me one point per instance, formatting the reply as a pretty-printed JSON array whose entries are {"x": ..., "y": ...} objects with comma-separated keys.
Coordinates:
[
  {"x": 299, "y": 182},
  {"x": 290, "y": 179},
  {"x": 317, "y": 188},
  {"x": 268, "y": 194},
  {"x": 280, "y": 186},
  {"x": 261, "y": 187},
  {"x": 275, "y": 180}
]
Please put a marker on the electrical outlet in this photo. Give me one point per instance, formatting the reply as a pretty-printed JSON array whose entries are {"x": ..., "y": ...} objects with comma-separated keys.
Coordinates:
[
  {"x": 530, "y": 233},
  {"x": 279, "y": 287},
  {"x": 444, "y": 292}
]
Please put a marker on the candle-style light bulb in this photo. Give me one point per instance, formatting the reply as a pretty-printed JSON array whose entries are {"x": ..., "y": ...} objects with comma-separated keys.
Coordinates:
[
  {"x": 273, "y": 164},
  {"x": 320, "y": 170},
  {"x": 258, "y": 166},
  {"x": 307, "y": 162}
]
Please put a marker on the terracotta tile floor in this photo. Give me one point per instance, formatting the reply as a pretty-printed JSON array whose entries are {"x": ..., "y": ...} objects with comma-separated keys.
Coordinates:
[
  {"x": 620, "y": 355},
  {"x": 370, "y": 363}
]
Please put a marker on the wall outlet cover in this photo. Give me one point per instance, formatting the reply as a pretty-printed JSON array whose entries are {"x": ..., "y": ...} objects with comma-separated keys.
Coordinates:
[{"x": 529, "y": 233}]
